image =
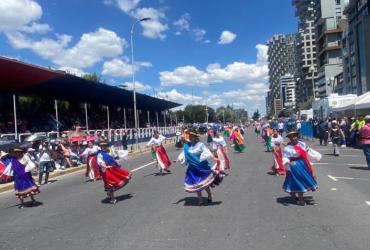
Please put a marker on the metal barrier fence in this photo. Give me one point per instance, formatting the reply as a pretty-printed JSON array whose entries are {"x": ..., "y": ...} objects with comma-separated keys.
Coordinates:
[
  {"x": 113, "y": 135},
  {"x": 306, "y": 130}
]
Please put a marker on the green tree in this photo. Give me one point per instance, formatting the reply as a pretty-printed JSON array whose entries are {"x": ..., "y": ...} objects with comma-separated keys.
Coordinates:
[
  {"x": 286, "y": 113},
  {"x": 92, "y": 77},
  {"x": 256, "y": 115},
  {"x": 306, "y": 105}
]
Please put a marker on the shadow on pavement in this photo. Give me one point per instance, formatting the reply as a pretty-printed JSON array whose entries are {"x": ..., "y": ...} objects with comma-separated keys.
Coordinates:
[
  {"x": 28, "y": 204},
  {"x": 287, "y": 200},
  {"x": 118, "y": 198},
  {"x": 193, "y": 202},
  {"x": 360, "y": 168},
  {"x": 157, "y": 174}
]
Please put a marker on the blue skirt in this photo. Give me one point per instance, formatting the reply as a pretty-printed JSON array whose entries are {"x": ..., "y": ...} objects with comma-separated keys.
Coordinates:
[
  {"x": 197, "y": 179},
  {"x": 299, "y": 179}
]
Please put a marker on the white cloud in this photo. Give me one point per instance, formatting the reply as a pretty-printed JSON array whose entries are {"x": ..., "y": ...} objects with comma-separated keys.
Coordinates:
[
  {"x": 40, "y": 28},
  {"x": 175, "y": 96},
  {"x": 252, "y": 92},
  {"x": 17, "y": 13},
  {"x": 91, "y": 48},
  {"x": 227, "y": 37},
  {"x": 122, "y": 68},
  {"x": 117, "y": 68},
  {"x": 138, "y": 86},
  {"x": 235, "y": 72},
  {"x": 198, "y": 34},
  {"x": 155, "y": 27},
  {"x": 183, "y": 24},
  {"x": 127, "y": 5},
  {"x": 73, "y": 71}
]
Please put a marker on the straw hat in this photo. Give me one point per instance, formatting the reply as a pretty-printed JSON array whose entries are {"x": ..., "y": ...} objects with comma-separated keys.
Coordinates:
[
  {"x": 3, "y": 154},
  {"x": 292, "y": 133},
  {"x": 193, "y": 132},
  {"x": 103, "y": 144}
]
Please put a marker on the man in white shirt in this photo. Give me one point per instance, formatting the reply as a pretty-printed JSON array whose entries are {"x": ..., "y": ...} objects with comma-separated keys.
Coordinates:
[{"x": 281, "y": 127}]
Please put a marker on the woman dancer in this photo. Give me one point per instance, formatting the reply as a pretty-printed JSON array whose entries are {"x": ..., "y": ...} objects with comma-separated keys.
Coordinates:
[
  {"x": 92, "y": 169},
  {"x": 209, "y": 136},
  {"x": 300, "y": 177},
  {"x": 268, "y": 138},
  {"x": 20, "y": 169},
  {"x": 199, "y": 175},
  {"x": 163, "y": 162},
  {"x": 220, "y": 151},
  {"x": 277, "y": 154},
  {"x": 226, "y": 132},
  {"x": 179, "y": 140},
  {"x": 238, "y": 140},
  {"x": 114, "y": 176}
]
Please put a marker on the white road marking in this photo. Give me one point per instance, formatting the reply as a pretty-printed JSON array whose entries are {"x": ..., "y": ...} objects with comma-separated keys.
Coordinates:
[
  {"x": 357, "y": 165},
  {"x": 144, "y": 166},
  {"x": 337, "y": 178},
  {"x": 320, "y": 163},
  {"x": 367, "y": 202},
  {"x": 350, "y": 155},
  {"x": 333, "y": 178}
]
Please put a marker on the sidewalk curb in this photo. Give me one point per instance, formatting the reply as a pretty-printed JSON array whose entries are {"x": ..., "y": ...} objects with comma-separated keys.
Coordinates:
[{"x": 9, "y": 186}]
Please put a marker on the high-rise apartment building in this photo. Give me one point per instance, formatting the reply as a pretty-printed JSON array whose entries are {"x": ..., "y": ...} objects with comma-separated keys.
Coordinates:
[
  {"x": 329, "y": 28},
  {"x": 356, "y": 49},
  {"x": 306, "y": 49},
  {"x": 281, "y": 61},
  {"x": 288, "y": 92}
]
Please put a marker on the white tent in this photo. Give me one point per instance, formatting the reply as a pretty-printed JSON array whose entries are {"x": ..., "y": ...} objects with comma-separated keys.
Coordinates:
[{"x": 360, "y": 104}]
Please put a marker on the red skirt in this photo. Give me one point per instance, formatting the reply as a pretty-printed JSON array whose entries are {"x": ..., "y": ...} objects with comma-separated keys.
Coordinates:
[
  {"x": 223, "y": 160},
  {"x": 92, "y": 168},
  {"x": 115, "y": 178},
  {"x": 162, "y": 157},
  {"x": 278, "y": 166}
]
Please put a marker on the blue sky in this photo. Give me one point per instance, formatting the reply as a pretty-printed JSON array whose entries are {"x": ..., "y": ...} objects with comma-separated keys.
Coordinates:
[{"x": 211, "y": 48}]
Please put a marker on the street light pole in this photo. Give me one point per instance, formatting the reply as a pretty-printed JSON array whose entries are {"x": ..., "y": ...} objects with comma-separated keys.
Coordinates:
[
  {"x": 133, "y": 70},
  {"x": 312, "y": 68}
]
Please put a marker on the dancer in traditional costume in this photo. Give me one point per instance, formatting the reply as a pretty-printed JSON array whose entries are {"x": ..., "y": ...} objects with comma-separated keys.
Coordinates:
[
  {"x": 226, "y": 132},
  {"x": 179, "y": 140},
  {"x": 92, "y": 170},
  {"x": 299, "y": 177},
  {"x": 220, "y": 150},
  {"x": 20, "y": 169},
  {"x": 209, "y": 136},
  {"x": 114, "y": 176},
  {"x": 268, "y": 138},
  {"x": 277, "y": 153},
  {"x": 257, "y": 129},
  {"x": 163, "y": 162},
  {"x": 199, "y": 174},
  {"x": 238, "y": 140}
]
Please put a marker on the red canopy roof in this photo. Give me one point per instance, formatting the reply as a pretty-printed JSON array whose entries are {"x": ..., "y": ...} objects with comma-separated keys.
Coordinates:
[{"x": 15, "y": 74}]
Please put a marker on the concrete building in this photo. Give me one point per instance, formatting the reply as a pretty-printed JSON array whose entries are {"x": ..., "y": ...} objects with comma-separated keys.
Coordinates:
[
  {"x": 306, "y": 49},
  {"x": 281, "y": 60},
  {"x": 356, "y": 49},
  {"x": 328, "y": 25},
  {"x": 287, "y": 92}
]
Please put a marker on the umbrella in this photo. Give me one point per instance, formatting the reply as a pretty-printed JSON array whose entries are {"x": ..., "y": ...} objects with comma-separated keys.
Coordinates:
[{"x": 33, "y": 138}]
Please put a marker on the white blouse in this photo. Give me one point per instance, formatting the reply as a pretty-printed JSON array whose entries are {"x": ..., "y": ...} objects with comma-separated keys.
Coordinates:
[
  {"x": 277, "y": 141},
  {"x": 290, "y": 152},
  {"x": 90, "y": 151},
  {"x": 197, "y": 149},
  {"x": 216, "y": 142},
  {"x": 155, "y": 141}
]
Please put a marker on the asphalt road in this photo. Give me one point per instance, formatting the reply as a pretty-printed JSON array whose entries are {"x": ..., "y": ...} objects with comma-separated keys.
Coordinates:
[{"x": 250, "y": 210}]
